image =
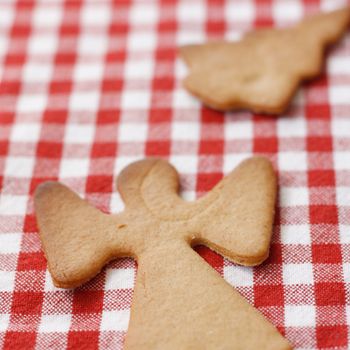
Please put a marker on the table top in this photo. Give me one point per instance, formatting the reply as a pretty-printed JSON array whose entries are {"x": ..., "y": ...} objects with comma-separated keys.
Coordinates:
[{"x": 87, "y": 87}]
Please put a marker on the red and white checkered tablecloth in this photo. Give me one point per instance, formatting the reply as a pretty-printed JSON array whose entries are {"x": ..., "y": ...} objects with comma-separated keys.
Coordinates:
[{"x": 89, "y": 86}]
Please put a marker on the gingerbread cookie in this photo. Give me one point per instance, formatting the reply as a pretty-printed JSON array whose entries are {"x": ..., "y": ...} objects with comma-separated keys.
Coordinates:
[
  {"x": 263, "y": 70},
  {"x": 179, "y": 301}
]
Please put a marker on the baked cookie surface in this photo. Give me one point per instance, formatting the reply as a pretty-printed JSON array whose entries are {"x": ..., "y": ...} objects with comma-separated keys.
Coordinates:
[
  {"x": 263, "y": 70},
  {"x": 179, "y": 301}
]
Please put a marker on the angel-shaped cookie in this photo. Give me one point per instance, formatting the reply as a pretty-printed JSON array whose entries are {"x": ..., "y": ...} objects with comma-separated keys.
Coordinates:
[
  {"x": 263, "y": 70},
  {"x": 179, "y": 301}
]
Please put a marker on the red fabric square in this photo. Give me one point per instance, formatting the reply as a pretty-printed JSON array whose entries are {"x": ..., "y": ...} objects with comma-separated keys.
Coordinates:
[
  {"x": 108, "y": 116},
  {"x": 57, "y": 87},
  {"x": 212, "y": 258},
  {"x": 30, "y": 224},
  {"x": 99, "y": 183},
  {"x": 27, "y": 303},
  {"x": 10, "y": 87},
  {"x": 211, "y": 147},
  {"x": 3, "y": 147},
  {"x": 211, "y": 116},
  {"x": 329, "y": 293},
  {"x": 49, "y": 149},
  {"x": 160, "y": 115},
  {"x": 87, "y": 301},
  {"x": 105, "y": 149},
  {"x": 319, "y": 144},
  {"x": 31, "y": 261},
  {"x": 19, "y": 340},
  {"x": 207, "y": 181},
  {"x": 331, "y": 336},
  {"x": 326, "y": 254},
  {"x": 55, "y": 116},
  {"x": 83, "y": 340},
  {"x": 265, "y": 145},
  {"x": 157, "y": 148},
  {"x": 323, "y": 214},
  {"x": 275, "y": 256},
  {"x": 317, "y": 111},
  {"x": 321, "y": 178},
  {"x": 268, "y": 295}
]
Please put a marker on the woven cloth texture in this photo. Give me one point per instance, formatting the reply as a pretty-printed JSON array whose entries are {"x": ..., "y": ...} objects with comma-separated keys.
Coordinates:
[{"x": 87, "y": 87}]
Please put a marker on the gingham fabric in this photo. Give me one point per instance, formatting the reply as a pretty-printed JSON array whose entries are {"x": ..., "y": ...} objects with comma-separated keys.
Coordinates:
[{"x": 89, "y": 86}]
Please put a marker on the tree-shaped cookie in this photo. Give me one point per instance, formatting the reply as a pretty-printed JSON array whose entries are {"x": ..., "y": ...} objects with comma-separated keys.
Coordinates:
[
  {"x": 263, "y": 70},
  {"x": 179, "y": 301}
]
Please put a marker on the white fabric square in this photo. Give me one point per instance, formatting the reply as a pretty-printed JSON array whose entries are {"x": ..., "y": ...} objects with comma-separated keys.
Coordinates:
[
  {"x": 35, "y": 72},
  {"x": 10, "y": 243},
  {"x": 346, "y": 271},
  {"x": 239, "y": 130},
  {"x": 181, "y": 70},
  {"x": 6, "y": 16},
  {"x": 232, "y": 160},
  {"x": 342, "y": 160},
  {"x": 142, "y": 40},
  {"x": 117, "y": 204},
  {"x": 242, "y": 11},
  {"x": 287, "y": 11},
  {"x": 139, "y": 69},
  {"x": 144, "y": 13},
  {"x": 55, "y": 323},
  {"x": 239, "y": 276},
  {"x": 84, "y": 101},
  {"x": 341, "y": 127},
  {"x": 344, "y": 233},
  {"x": 79, "y": 133},
  {"x": 185, "y": 164},
  {"x": 49, "y": 286},
  {"x": 31, "y": 103},
  {"x": 95, "y": 44},
  {"x": 4, "y": 322},
  {"x": 343, "y": 195},
  {"x": 188, "y": 195},
  {"x": 122, "y": 162},
  {"x": 13, "y": 204},
  {"x": 4, "y": 42},
  {"x": 297, "y": 274},
  {"x": 339, "y": 95},
  {"x": 117, "y": 320},
  {"x": 132, "y": 132},
  {"x": 7, "y": 281},
  {"x": 330, "y": 5},
  {"x": 293, "y": 196},
  {"x": 185, "y": 131},
  {"x": 300, "y": 315},
  {"x": 74, "y": 167},
  {"x": 136, "y": 99},
  {"x": 22, "y": 132},
  {"x": 21, "y": 167},
  {"x": 188, "y": 37},
  {"x": 295, "y": 234},
  {"x": 347, "y": 312},
  {"x": 338, "y": 65},
  {"x": 119, "y": 279},
  {"x": 47, "y": 16},
  {"x": 291, "y": 127},
  {"x": 191, "y": 12},
  {"x": 182, "y": 99},
  {"x": 292, "y": 161},
  {"x": 95, "y": 14},
  {"x": 88, "y": 72},
  {"x": 43, "y": 43}
]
